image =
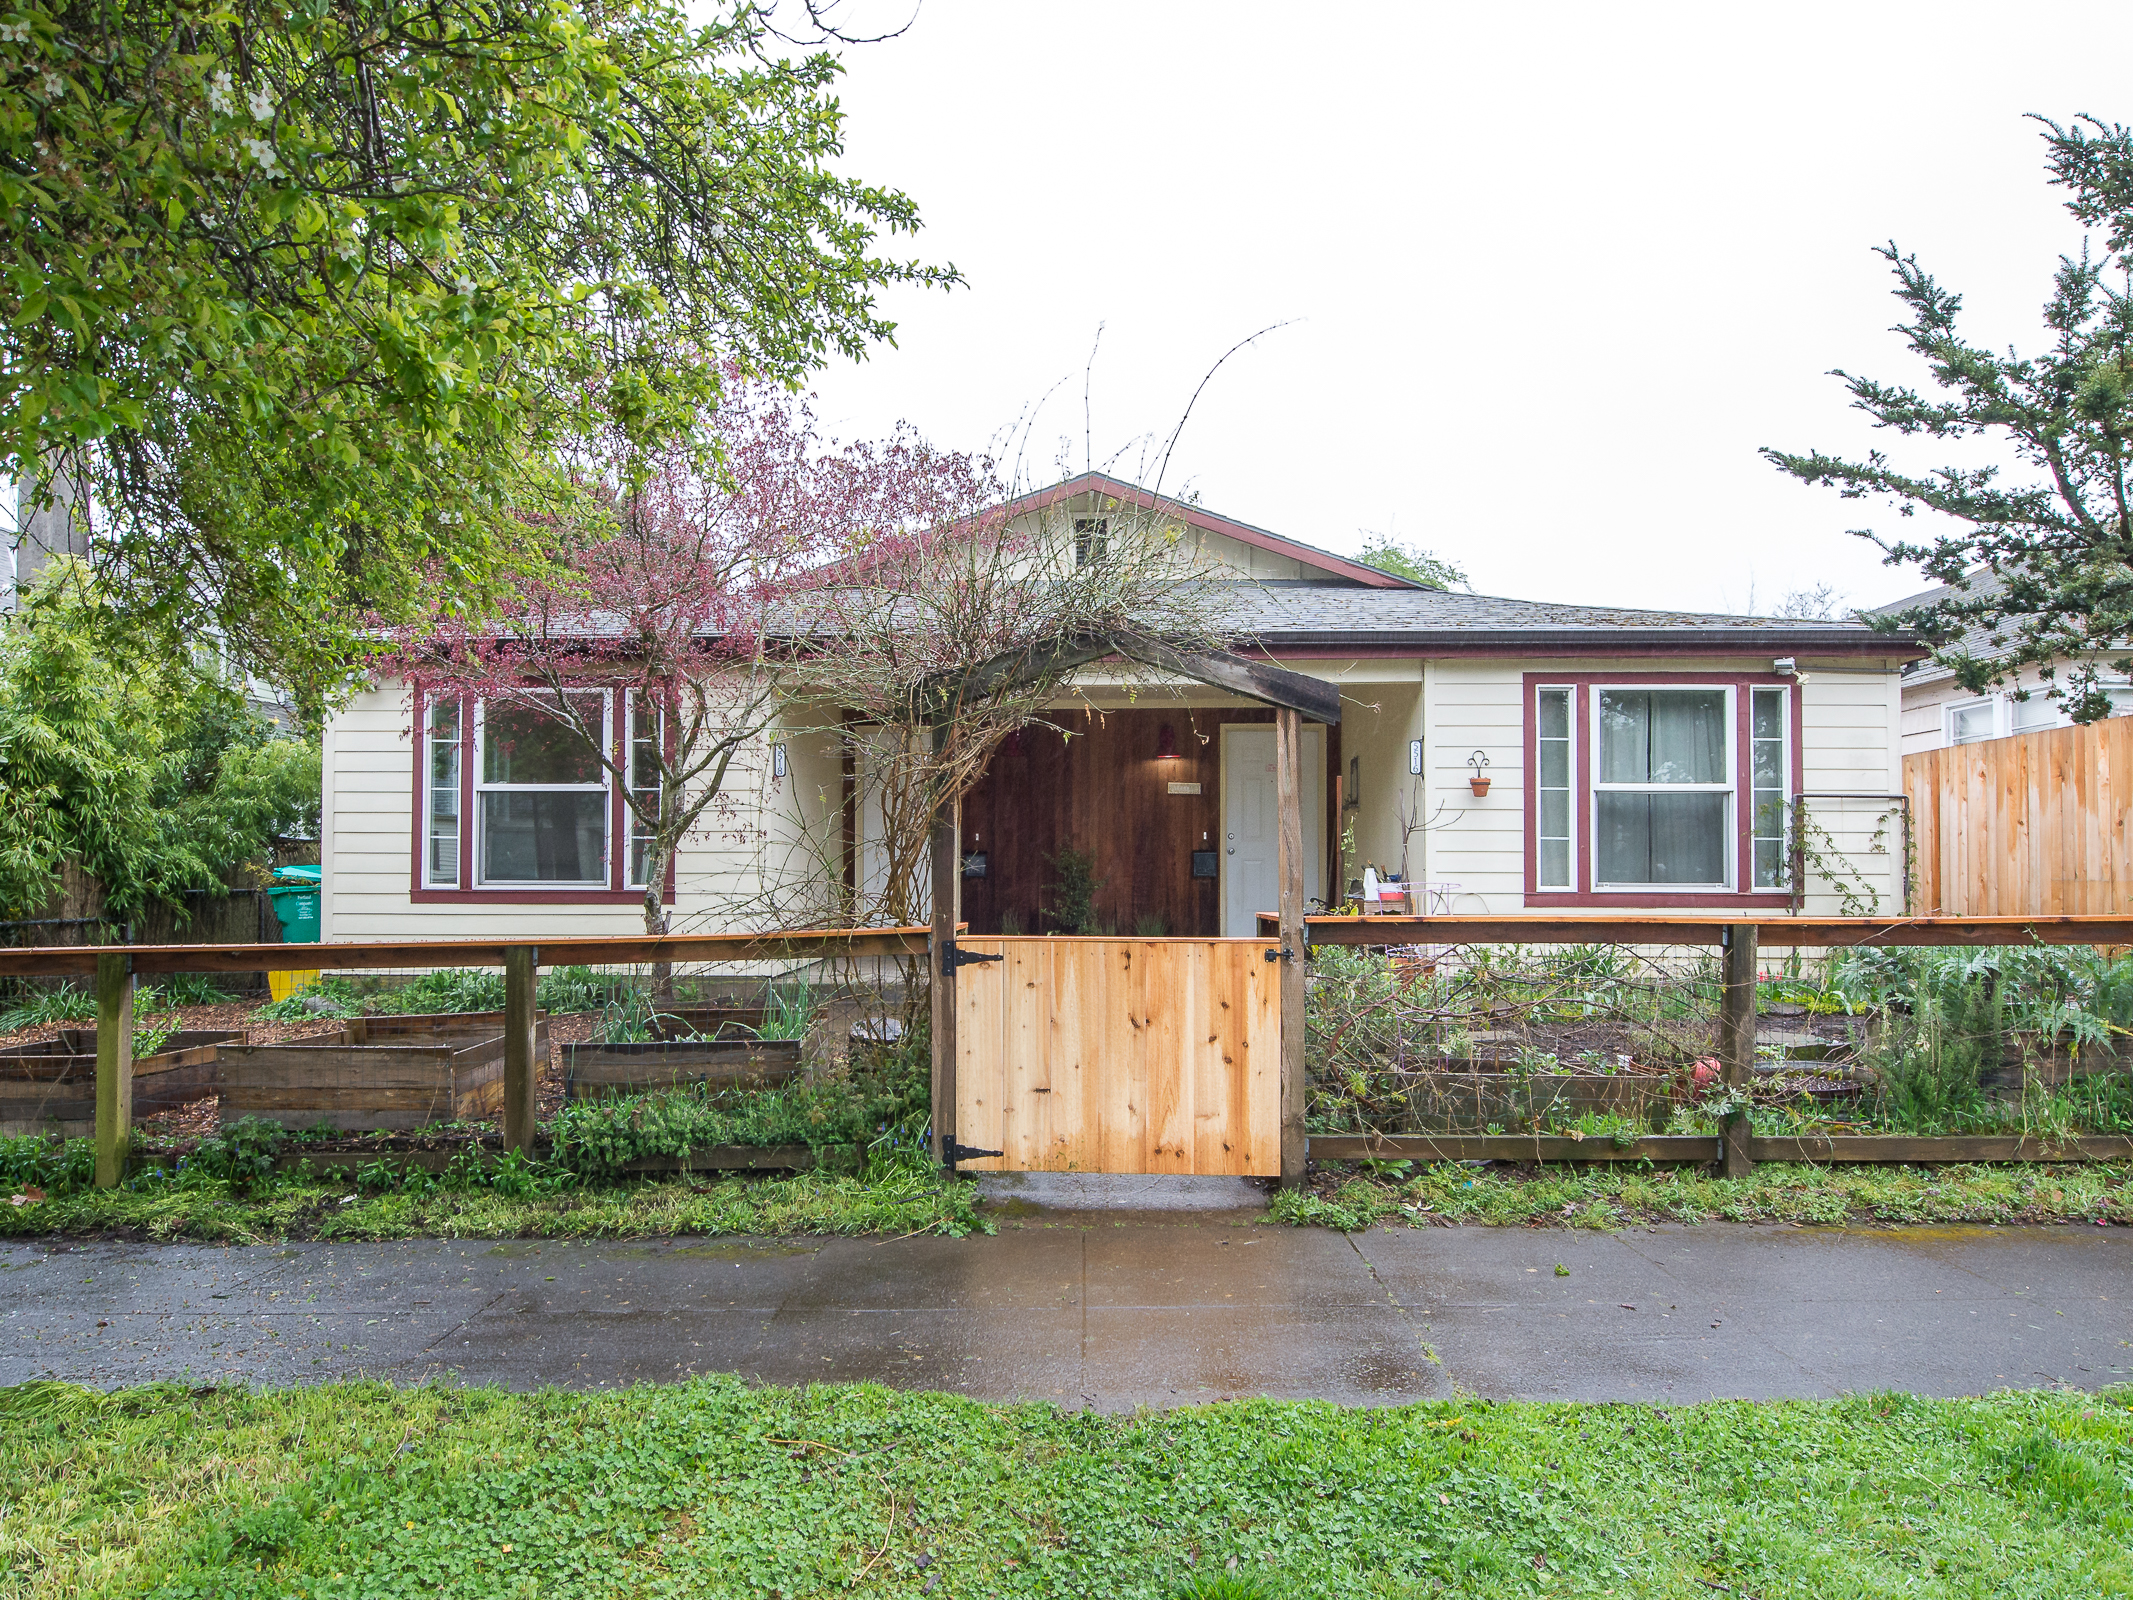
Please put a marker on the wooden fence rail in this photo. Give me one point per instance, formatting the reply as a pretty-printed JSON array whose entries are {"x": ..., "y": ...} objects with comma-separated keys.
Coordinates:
[{"x": 1820, "y": 933}]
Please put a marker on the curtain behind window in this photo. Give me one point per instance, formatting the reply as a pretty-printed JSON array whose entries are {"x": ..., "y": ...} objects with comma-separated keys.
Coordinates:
[{"x": 1658, "y": 738}]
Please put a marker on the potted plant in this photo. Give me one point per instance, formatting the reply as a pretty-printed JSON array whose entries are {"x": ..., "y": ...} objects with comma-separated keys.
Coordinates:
[{"x": 1479, "y": 782}]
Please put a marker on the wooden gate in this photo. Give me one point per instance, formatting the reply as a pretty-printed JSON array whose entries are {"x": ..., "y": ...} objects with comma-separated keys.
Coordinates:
[{"x": 1120, "y": 1055}]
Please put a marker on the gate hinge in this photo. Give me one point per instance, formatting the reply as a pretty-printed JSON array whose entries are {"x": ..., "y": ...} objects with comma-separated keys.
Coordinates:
[
  {"x": 951, "y": 1152},
  {"x": 954, "y": 956}
]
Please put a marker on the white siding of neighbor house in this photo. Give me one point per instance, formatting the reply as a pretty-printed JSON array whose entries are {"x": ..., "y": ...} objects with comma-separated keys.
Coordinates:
[
  {"x": 1925, "y": 704},
  {"x": 1478, "y": 844},
  {"x": 741, "y": 856}
]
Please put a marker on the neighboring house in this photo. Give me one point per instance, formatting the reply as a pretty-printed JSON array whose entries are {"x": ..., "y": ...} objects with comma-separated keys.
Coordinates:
[
  {"x": 1938, "y": 711},
  {"x": 1634, "y": 759}
]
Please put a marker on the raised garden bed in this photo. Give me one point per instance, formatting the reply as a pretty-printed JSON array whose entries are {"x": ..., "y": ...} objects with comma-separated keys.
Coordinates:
[
  {"x": 49, "y": 1086},
  {"x": 712, "y": 1047},
  {"x": 1498, "y": 1094},
  {"x": 396, "y": 1073}
]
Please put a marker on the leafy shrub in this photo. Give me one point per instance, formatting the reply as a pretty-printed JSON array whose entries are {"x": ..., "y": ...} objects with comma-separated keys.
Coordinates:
[
  {"x": 43, "y": 1161},
  {"x": 872, "y": 1106},
  {"x": 242, "y": 1156}
]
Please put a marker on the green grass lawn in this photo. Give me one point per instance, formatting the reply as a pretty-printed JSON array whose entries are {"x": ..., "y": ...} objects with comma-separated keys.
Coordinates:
[
  {"x": 709, "y": 1488},
  {"x": 904, "y": 1201}
]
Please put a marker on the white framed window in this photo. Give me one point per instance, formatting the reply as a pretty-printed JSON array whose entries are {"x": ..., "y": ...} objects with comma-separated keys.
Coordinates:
[
  {"x": 541, "y": 796},
  {"x": 1970, "y": 721},
  {"x": 1769, "y": 763},
  {"x": 1663, "y": 786},
  {"x": 2033, "y": 715},
  {"x": 1555, "y": 827},
  {"x": 647, "y": 727},
  {"x": 440, "y": 790}
]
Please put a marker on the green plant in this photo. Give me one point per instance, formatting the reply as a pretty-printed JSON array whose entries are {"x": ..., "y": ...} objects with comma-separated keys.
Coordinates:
[
  {"x": 787, "y": 1011},
  {"x": 307, "y": 1004},
  {"x": 242, "y": 1155},
  {"x": 195, "y": 989},
  {"x": 1150, "y": 925},
  {"x": 1011, "y": 923},
  {"x": 42, "y": 1008},
  {"x": 1072, "y": 902},
  {"x": 148, "y": 1038}
]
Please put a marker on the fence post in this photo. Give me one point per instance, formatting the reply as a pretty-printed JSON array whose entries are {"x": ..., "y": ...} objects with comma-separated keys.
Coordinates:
[
  {"x": 521, "y": 1071},
  {"x": 114, "y": 1065},
  {"x": 947, "y": 846},
  {"x": 1288, "y": 802},
  {"x": 1736, "y": 1037}
]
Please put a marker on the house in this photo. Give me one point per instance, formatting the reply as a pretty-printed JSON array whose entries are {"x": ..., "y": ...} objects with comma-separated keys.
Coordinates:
[
  {"x": 1939, "y": 712},
  {"x": 1509, "y": 755}
]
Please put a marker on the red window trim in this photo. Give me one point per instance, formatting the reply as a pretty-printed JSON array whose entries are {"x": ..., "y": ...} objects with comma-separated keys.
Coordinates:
[
  {"x": 1582, "y": 683},
  {"x": 617, "y": 891}
]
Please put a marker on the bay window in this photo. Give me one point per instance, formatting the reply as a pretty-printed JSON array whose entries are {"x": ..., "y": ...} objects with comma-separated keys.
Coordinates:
[{"x": 1657, "y": 788}]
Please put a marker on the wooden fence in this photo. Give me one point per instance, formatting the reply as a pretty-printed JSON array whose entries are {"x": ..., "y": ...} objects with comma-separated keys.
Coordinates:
[
  {"x": 1736, "y": 1149},
  {"x": 2033, "y": 825}
]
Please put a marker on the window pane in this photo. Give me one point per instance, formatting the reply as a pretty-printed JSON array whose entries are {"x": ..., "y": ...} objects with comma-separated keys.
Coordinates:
[
  {"x": 1770, "y": 713},
  {"x": 523, "y": 745},
  {"x": 1554, "y": 863},
  {"x": 551, "y": 837},
  {"x": 644, "y": 781},
  {"x": 2033, "y": 713},
  {"x": 1555, "y": 763},
  {"x": 1770, "y": 863},
  {"x": 1663, "y": 736},
  {"x": 1662, "y": 838},
  {"x": 1554, "y": 714},
  {"x": 1971, "y": 722},
  {"x": 1555, "y": 813},
  {"x": 1769, "y": 753}
]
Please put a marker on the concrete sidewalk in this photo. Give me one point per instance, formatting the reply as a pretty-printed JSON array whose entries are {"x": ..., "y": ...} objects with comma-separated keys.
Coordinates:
[{"x": 1113, "y": 1310}]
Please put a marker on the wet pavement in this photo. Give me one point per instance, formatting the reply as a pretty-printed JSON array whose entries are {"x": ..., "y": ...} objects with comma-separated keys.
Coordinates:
[{"x": 1112, "y": 1310}]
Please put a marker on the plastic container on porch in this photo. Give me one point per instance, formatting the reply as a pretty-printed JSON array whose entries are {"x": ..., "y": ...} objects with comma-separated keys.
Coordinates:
[{"x": 295, "y": 893}]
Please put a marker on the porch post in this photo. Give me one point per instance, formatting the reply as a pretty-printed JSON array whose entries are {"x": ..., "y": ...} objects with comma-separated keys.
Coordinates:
[
  {"x": 114, "y": 1065},
  {"x": 1288, "y": 799},
  {"x": 1736, "y": 1039},
  {"x": 947, "y": 837}
]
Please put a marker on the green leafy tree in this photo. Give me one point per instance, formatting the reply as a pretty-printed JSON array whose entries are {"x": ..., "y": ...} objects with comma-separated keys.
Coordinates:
[
  {"x": 153, "y": 777},
  {"x": 2042, "y": 559},
  {"x": 1387, "y": 554},
  {"x": 311, "y": 298}
]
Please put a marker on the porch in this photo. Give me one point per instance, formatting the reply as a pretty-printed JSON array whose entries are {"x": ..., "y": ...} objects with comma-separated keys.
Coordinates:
[{"x": 1174, "y": 806}]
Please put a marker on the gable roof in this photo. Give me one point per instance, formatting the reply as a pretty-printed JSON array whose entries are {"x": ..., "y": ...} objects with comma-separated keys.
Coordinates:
[
  {"x": 1975, "y": 641},
  {"x": 1132, "y": 494}
]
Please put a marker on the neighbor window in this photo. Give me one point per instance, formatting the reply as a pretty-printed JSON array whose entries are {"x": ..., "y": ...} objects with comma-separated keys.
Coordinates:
[
  {"x": 644, "y": 769},
  {"x": 1552, "y": 833},
  {"x": 2037, "y": 712},
  {"x": 1092, "y": 536},
  {"x": 440, "y": 769},
  {"x": 1973, "y": 720},
  {"x": 542, "y": 795},
  {"x": 1662, "y": 795}
]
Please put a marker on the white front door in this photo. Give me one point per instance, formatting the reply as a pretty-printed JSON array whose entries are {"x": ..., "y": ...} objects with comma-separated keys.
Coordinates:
[{"x": 1251, "y": 840}]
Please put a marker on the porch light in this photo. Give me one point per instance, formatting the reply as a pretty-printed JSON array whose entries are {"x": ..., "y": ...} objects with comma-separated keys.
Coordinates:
[{"x": 1166, "y": 743}]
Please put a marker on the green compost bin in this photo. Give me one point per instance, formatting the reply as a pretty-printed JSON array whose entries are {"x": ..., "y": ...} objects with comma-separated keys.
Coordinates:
[{"x": 295, "y": 893}]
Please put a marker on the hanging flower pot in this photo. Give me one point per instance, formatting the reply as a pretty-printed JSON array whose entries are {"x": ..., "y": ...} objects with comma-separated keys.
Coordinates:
[{"x": 1479, "y": 782}]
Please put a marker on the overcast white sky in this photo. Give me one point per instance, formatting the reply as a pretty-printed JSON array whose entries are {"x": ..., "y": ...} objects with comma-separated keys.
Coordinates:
[{"x": 1553, "y": 271}]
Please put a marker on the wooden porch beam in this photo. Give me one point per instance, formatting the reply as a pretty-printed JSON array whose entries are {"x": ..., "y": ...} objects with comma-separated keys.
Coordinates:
[{"x": 1288, "y": 802}]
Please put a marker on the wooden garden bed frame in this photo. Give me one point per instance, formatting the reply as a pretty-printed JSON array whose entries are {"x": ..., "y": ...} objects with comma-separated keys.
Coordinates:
[{"x": 1736, "y": 1150}]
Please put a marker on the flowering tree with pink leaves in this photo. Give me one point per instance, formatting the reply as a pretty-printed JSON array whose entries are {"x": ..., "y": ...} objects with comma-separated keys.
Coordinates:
[{"x": 658, "y": 641}]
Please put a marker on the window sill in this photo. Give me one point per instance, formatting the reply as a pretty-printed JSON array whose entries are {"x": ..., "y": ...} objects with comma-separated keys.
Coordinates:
[
  {"x": 534, "y": 897},
  {"x": 1662, "y": 899}
]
